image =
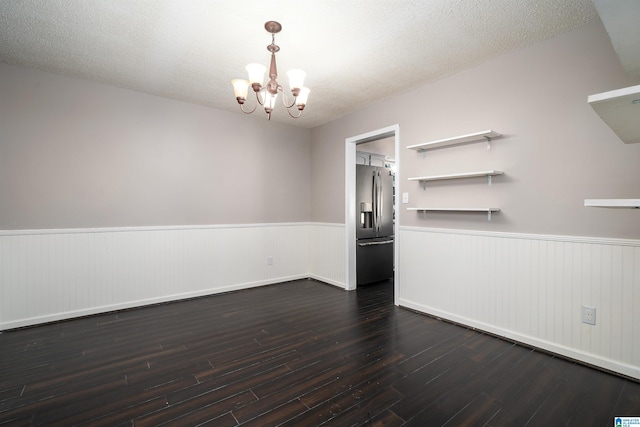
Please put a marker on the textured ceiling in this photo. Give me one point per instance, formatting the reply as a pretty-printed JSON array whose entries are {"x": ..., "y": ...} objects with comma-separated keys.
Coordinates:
[{"x": 354, "y": 52}]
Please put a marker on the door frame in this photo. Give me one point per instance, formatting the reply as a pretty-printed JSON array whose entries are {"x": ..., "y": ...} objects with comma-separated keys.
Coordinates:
[{"x": 350, "y": 202}]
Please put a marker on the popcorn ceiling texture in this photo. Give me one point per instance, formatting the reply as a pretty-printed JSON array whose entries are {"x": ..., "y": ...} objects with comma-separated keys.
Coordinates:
[{"x": 355, "y": 52}]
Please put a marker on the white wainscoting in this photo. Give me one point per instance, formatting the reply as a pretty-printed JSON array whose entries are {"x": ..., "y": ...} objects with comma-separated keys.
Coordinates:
[
  {"x": 48, "y": 275},
  {"x": 327, "y": 253},
  {"x": 530, "y": 288}
]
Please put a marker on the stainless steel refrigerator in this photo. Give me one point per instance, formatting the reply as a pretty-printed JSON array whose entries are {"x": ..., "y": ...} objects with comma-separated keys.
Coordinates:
[{"x": 374, "y": 228}]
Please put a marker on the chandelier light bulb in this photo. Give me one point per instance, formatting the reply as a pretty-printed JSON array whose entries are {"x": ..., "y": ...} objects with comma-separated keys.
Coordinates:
[
  {"x": 296, "y": 79},
  {"x": 240, "y": 89},
  {"x": 301, "y": 100},
  {"x": 256, "y": 74},
  {"x": 269, "y": 100}
]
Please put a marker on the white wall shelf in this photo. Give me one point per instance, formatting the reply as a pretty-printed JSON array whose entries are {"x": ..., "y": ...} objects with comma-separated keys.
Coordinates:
[
  {"x": 619, "y": 109},
  {"x": 488, "y": 174},
  {"x": 486, "y": 135},
  {"x": 613, "y": 203},
  {"x": 488, "y": 211}
]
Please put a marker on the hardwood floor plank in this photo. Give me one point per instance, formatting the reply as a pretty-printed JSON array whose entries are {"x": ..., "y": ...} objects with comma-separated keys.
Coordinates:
[
  {"x": 351, "y": 378},
  {"x": 459, "y": 396},
  {"x": 447, "y": 376},
  {"x": 226, "y": 420},
  {"x": 12, "y": 392},
  {"x": 437, "y": 347},
  {"x": 521, "y": 407},
  {"x": 204, "y": 390},
  {"x": 444, "y": 364},
  {"x": 222, "y": 368},
  {"x": 478, "y": 412},
  {"x": 19, "y": 421},
  {"x": 385, "y": 419},
  {"x": 278, "y": 415},
  {"x": 327, "y": 385},
  {"x": 58, "y": 378},
  {"x": 628, "y": 403},
  {"x": 59, "y": 397},
  {"x": 121, "y": 416},
  {"x": 343, "y": 398},
  {"x": 195, "y": 412},
  {"x": 280, "y": 391},
  {"x": 527, "y": 368}
]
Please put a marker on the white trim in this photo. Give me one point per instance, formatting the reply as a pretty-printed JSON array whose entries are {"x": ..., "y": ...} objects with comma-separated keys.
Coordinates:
[
  {"x": 326, "y": 224},
  {"x": 327, "y": 281},
  {"x": 45, "y": 231},
  {"x": 546, "y": 237},
  {"x": 593, "y": 359},
  {"x": 350, "y": 212}
]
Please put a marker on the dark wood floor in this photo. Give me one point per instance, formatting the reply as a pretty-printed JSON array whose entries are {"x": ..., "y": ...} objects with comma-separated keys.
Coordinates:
[{"x": 299, "y": 353}]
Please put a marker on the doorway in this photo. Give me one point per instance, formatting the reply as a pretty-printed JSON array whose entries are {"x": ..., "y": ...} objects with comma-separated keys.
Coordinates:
[{"x": 350, "y": 200}]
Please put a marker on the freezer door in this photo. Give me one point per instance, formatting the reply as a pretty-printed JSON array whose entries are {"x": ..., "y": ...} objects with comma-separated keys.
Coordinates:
[{"x": 374, "y": 260}]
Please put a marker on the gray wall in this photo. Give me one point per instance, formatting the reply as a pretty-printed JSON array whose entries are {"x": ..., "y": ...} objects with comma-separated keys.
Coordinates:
[
  {"x": 75, "y": 154},
  {"x": 383, "y": 146},
  {"x": 555, "y": 152}
]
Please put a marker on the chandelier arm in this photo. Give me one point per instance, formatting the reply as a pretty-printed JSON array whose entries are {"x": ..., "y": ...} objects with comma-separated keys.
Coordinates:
[
  {"x": 284, "y": 98},
  {"x": 250, "y": 111},
  {"x": 258, "y": 98},
  {"x": 294, "y": 116}
]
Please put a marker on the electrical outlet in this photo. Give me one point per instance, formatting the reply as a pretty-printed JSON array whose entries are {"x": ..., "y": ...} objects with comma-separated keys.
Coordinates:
[
  {"x": 588, "y": 315},
  {"x": 269, "y": 260},
  {"x": 405, "y": 197}
]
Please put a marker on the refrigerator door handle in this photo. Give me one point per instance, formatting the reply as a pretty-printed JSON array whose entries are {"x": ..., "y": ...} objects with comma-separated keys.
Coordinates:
[
  {"x": 385, "y": 242},
  {"x": 380, "y": 201},
  {"x": 374, "y": 200},
  {"x": 377, "y": 201}
]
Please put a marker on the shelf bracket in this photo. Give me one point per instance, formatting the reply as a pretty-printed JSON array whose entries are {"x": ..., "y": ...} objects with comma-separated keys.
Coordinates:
[
  {"x": 424, "y": 185},
  {"x": 489, "y": 216},
  {"x": 489, "y": 180},
  {"x": 488, "y": 138}
]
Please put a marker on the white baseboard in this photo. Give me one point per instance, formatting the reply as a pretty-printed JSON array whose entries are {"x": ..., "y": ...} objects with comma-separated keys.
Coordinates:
[{"x": 328, "y": 281}]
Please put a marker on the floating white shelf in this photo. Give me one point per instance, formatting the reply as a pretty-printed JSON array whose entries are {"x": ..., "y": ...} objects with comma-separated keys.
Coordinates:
[
  {"x": 620, "y": 110},
  {"x": 487, "y": 210},
  {"x": 488, "y": 174},
  {"x": 485, "y": 135},
  {"x": 613, "y": 203}
]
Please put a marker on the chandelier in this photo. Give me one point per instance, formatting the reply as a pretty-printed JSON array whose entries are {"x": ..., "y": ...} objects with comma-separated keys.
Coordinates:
[{"x": 266, "y": 96}]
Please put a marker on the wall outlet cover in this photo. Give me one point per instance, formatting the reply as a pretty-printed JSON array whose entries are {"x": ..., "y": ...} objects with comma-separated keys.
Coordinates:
[{"x": 588, "y": 315}]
